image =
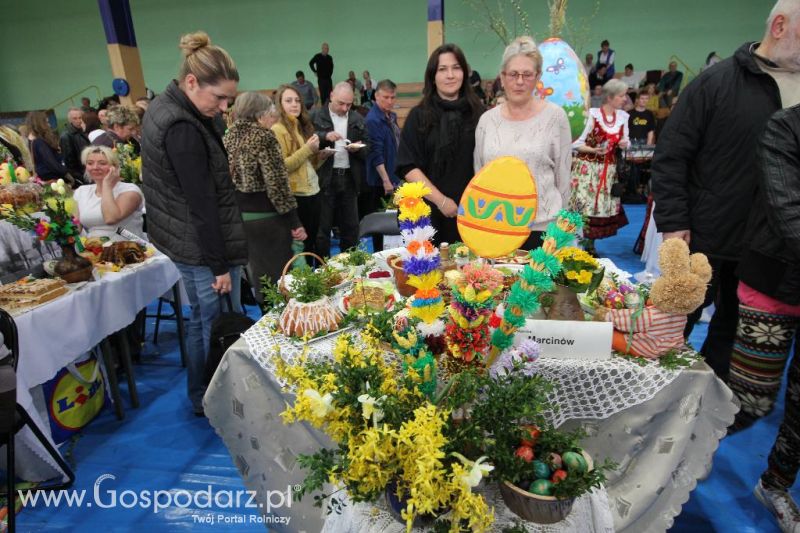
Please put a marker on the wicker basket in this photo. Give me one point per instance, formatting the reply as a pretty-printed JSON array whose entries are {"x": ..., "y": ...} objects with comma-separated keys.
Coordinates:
[
  {"x": 282, "y": 282},
  {"x": 535, "y": 508}
]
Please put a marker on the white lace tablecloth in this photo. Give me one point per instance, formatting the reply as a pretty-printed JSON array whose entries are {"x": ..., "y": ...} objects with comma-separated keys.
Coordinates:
[
  {"x": 55, "y": 334},
  {"x": 590, "y": 514},
  {"x": 661, "y": 426},
  {"x": 584, "y": 389}
]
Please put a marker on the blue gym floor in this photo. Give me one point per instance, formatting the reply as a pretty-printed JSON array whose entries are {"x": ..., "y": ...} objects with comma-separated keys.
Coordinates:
[{"x": 162, "y": 446}]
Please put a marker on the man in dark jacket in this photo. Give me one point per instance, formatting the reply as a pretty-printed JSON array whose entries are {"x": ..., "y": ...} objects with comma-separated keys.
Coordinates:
[
  {"x": 322, "y": 65},
  {"x": 769, "y": 291},
  {"x": 704, "y": 170},
  {"x": 73, "y": 141},
  {"x": 340, "y": 177}
]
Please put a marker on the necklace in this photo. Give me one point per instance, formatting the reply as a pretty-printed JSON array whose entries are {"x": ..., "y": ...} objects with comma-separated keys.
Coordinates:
[{"x": 607, "y": 122}]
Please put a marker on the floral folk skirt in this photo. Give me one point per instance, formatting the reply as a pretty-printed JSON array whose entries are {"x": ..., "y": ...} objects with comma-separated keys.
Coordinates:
[{"x": 593, "y": 199}]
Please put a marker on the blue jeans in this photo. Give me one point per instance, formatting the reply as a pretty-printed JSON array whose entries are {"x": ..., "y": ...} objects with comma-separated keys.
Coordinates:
[{"x": 205, "y": 305}]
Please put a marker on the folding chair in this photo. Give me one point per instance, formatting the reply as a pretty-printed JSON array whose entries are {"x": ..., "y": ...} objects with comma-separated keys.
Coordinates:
[
  {"x": 377, "y": 225},
  {"x": 13, "y": 418}
]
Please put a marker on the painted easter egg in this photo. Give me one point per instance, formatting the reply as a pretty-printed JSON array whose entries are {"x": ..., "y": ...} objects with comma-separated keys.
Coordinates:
[
  {"x": 540, "y": 469},
  {"x": 555, "y": 460},
  {"x": 559, "y": 476},
  {"x": 565, "y": 82},
  {"x": 575, "y": 462},
  {"x": 525, "y": 453},
  {"x": 498, "y": 208},
  {"x": 542, "y": 487}
]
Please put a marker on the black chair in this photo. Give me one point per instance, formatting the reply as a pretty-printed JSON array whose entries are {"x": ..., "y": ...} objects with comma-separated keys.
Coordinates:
[
  {"x": 377, "y": 225},
  {"x": 13, "y": 418},
  {"x": 176, "y": 315}
]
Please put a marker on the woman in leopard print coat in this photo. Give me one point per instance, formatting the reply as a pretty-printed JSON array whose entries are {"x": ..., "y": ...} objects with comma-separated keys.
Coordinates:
[{"x": 268, "y": 206}]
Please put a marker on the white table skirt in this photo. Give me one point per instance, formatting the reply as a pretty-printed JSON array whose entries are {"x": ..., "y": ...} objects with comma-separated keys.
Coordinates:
[{"x": 55, "y": 334}]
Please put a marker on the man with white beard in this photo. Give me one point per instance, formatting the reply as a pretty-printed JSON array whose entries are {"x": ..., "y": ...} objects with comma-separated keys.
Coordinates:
[{"x": 704, "y": 173}]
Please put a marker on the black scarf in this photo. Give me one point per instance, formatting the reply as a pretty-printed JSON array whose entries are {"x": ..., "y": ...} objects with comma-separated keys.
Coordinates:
[{"x": 452, "y": 120}]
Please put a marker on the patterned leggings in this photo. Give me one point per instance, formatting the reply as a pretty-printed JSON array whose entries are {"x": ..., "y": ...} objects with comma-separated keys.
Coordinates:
[
  {"x": 784, "y": 459},
  {"x": 763, "y": 344}
]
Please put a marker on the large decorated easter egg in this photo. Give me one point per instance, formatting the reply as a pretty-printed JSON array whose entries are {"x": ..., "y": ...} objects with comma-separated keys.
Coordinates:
[
  {"x": 498, "y": 208},
  {"x": 565, "y": 82}
]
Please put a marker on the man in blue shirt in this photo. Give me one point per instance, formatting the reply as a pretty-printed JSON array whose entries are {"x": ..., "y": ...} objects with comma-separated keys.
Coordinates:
[{"x": 384, "y": 135}]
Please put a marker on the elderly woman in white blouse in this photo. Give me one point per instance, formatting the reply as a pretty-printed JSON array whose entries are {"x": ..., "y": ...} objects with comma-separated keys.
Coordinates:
[
  {"x": 530, "y": 128},
  {"x": 108, "y": 203}
]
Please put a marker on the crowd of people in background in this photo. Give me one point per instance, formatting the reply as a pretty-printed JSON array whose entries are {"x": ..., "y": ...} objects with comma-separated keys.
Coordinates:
[{"x": 252, "y": 185}]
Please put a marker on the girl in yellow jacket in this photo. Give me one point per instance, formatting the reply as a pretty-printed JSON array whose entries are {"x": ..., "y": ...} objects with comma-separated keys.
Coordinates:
[{"x": 302, "y": 156}]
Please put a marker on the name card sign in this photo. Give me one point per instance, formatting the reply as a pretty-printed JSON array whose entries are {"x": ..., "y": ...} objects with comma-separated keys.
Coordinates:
[{"x": 567, "y": 339}]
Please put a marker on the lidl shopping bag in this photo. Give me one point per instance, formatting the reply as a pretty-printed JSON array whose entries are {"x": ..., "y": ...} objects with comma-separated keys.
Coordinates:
[{"x": 74, "y": 397}]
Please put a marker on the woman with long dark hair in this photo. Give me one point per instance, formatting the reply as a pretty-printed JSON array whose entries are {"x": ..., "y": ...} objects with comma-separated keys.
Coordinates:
[
  {"x": 438, "y": 138},
  {"x": 44, "y": 147}
]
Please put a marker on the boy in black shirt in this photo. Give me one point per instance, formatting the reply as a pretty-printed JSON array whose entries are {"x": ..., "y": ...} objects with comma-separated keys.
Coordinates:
[
  {"x": 642, "y": 128},
  {"x": 642, "y": 122}
]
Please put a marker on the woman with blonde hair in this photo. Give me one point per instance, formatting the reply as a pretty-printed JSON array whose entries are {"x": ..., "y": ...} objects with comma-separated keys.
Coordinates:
[
  {"x": 107, "y": 203},
  {"x": 192, "y": 214},
  {"x": 44, "y": 147},
  {"x": 594, "y": 169},
  {"x": 529, "y": 128},
  {"x": 262, "y": 187},
  {"x": 302, "y": 157}
]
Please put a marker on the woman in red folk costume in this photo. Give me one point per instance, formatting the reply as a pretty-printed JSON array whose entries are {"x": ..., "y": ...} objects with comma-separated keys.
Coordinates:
[{"x": 594, "y": 168}]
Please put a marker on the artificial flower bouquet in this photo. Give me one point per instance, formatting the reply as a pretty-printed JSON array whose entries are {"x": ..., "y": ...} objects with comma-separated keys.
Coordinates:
[
  {"x": 56, "y": 221},
  {"x": 579, "y": 271},
  {"x": 130, "y": 165},
  {"x": 473, "y": 298}
]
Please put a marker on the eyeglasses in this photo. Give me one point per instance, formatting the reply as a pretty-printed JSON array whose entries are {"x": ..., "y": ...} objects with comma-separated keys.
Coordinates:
[{"x": 526, "y": 76}]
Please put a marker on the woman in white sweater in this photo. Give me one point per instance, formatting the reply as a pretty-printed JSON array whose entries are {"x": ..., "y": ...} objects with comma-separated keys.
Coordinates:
[
  {"x": 108, "y": 203},
  {"x": 530, "y": 128}
]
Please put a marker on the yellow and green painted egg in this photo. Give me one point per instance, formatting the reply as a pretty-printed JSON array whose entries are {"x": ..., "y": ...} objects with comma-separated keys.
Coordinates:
[{"x": 498, "y": 208}]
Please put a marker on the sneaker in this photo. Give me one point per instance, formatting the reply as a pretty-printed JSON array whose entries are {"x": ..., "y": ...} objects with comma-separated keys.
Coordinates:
[{"x": 781, "y": 505}]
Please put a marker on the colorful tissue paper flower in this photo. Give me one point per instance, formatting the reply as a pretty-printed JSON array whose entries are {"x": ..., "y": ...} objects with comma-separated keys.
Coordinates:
[
  {"x": 410, "y": 226},
  {"x": 524, "y": 296},
  {"x": 413, "y": 209},
  {"x": 42, "y": 229},
  {"x": 426, "y": 281},
  {"x": 416, "y": 267},
  {"x": 429, "y": 312},
  {"x": 520, "y": 358},
  {"x": 411, "y": 189}
]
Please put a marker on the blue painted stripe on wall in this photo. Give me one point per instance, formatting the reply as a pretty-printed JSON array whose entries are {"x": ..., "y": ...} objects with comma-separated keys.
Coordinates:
[
  {"x": 435, "y": 10},
  {"x": 117, "y": 22}
]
